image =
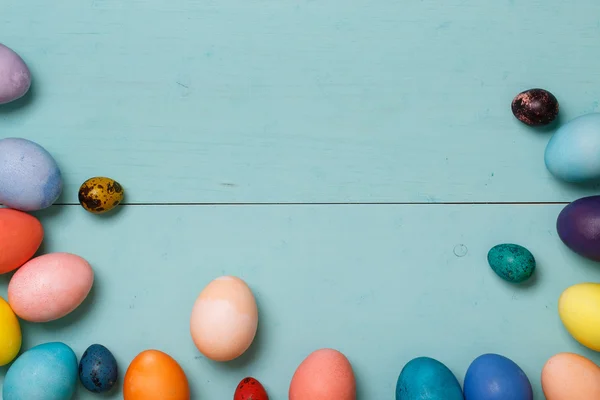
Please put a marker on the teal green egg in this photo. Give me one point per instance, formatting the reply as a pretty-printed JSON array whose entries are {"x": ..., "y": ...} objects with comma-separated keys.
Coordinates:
[
  {"x": 425, "y": 378},
  {"x": 511, "y": 262},
  {"x": 45, "y": 372}
]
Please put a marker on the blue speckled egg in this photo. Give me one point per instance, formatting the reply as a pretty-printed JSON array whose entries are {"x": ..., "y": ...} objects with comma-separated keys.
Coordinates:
[
  {"x": 425, "y": 378},
  {"x": 495, "y": 377},
  {"x": 44, "y": 372},
  {"x": 573, "y": 152},
  {"x": 511, "y": 262},
  {"x": 30, "y": 179},
  {"x": 98, "y": 369}
]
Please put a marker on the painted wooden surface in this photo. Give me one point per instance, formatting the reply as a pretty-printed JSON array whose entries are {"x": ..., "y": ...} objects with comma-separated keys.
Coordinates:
[
  {"x": 382, "y": 283},
  {"x": 301, "y": 101},
  {"x": 255, "y": 101}
]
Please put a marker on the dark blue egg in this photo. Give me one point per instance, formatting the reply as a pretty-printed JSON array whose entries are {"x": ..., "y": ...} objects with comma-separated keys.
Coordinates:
[
  {"x": 495, "y": 377},
  {"x": 98, "y": 371}
]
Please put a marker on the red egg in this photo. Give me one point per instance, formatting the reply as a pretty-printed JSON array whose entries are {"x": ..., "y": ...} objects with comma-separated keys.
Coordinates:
[{"x": 250, "y": 389}]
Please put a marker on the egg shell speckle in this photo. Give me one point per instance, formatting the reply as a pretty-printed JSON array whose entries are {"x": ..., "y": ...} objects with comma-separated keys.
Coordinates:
[
  {"x": 573, "y": 152},
  {"x": 567, "y": 376},
  {"x": 98, "y": 370},
  {"x": 495, "y": 377},
  {"x": 535, "y": 107},
  {"x": 578, "y": 227},
  {"x": 100, "y": 194},
  {"x": 44, "y": 372},
  {"x": 511, "y": 262},
  {"x": 21, "y": 235},
  {"x": 326, "y": 374},
  {"x": 50, "y": 286},
  {"x": 15, "y": 77},
  {"x": 224, "y": 319},
  {"x": 427, "y": 378},
  {"x": 250, "y": 388},
  {"x": 30, "y": 179}
]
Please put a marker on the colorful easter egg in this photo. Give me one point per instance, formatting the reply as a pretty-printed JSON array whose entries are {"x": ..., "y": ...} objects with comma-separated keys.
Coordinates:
[
  {"x": 224, "y": 319},
  {"x": 30, "y": 179},
  {"x": 44, "y": 372},
  {"x": 15, "y": 77},
  {"x": 10, "y": 334},
  {"x": 99, "y": 194},
  {"x": 535, "y": 107},
  {"x": 427, "y": 378},
  {"x": 50, "y": 286},
  {"x": 578, "y": 228},
  {"x": 20, "y": 237},
  {"x": 511, "y": 262},
  {"x": 579, "y": 311},
  {"x": 154, "y": 375},
  {"x": 326, "y": 374},
  {"x": 250, "y": 389},
  {"x": 495, "y": 377},
  {"x": 98, "y": 370},
  {"x": 569, "y": 376},
  {"x": 573, "y": 152}
]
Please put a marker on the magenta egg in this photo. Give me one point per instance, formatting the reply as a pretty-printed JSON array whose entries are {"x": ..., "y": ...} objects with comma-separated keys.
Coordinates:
[
  {"x": 578, "y": 226},
  {"x": 15, "y": 78}
]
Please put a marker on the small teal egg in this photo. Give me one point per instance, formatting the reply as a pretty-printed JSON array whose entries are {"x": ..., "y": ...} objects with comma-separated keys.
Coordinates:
[
  {"x": 511, "y": 262},
  {"x": 98, "y": 371},
  {"x": 573, "y": 152},
  {"x": 30, "y": 179},
  {"x": 44, "y": 372},
  {"x": 425, "y": 378}
]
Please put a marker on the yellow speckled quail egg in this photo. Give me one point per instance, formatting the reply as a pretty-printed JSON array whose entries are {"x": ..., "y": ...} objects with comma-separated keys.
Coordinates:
[{"x": 100, "y": 194}]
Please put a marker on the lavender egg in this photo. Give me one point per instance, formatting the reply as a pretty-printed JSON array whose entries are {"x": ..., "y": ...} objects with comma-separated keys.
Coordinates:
[
  {"x": 578, "y": 226},
  {"x": 15, "y": 77},
  {"x": 30, "y": 179}
]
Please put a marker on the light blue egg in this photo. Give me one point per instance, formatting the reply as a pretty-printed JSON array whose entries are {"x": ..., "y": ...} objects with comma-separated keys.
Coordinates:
[
  {"x": 425, "y": 378},
  {"x": 30, "y": 179},
  {"x": 44, "y": 372},
  {"x": 573, "y": 152}
]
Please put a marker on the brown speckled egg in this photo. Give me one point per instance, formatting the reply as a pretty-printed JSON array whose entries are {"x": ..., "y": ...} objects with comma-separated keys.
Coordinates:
[
  {"x": 99, "y": 194},
  {"x": 535, "y": 107}
]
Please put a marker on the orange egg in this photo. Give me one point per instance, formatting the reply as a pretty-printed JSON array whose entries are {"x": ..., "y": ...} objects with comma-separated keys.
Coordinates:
[
  {"x": 569, "y": 376},
  {"x": 325, "y": 374},
  {"x": 154, "y": 375},
  {"x": 21, "y": 235}
]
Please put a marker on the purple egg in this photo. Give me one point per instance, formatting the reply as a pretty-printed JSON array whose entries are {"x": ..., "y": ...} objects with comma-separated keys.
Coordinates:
[
  {"x": 578, "y": 226},
  {"x": 15, "y": 78}
]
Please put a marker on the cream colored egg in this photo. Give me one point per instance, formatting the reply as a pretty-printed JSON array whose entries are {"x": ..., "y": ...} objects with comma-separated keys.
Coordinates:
[{"x": 224, "y": 319}]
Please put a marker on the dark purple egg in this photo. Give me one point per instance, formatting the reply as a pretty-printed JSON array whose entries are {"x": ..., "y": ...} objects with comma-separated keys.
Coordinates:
[
  {"x": 535, "y": 107},
  {"x": 578, "y": 226}
]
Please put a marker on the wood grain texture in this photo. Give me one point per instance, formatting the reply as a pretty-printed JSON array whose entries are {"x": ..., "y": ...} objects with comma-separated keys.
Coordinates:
[
  {"x": 381, "y": 283},
  {"x": 301, "y": 101}
]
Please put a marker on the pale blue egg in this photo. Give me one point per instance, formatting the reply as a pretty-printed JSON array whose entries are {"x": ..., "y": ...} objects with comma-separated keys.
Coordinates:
[
  {"x": 44, "y": 372},
  {"x": 573, "y": 152},
  {"x": 30, "y": 179},
  {"x": 424, "y": 378}
]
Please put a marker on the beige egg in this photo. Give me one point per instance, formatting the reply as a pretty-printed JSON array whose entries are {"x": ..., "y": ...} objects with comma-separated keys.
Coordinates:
[
  {"x": 569, "y": 376},
  {"x": 224, "y": 319}
]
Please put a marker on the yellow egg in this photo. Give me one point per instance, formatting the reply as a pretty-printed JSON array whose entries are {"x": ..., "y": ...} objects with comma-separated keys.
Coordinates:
[
  {"x": 579, "y": 311},
  {"x": 100, "y": 194},
  {"x": 10, "y": 334}
]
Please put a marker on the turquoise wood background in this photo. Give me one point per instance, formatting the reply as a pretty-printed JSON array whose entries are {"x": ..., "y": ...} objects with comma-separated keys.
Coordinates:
[{"x": 215, "y": 115}]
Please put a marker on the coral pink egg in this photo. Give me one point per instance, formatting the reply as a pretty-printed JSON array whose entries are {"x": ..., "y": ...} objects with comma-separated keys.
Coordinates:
[
  {"x": 325, "y": 374},
  {"x": 49, "y": 287},
  {"x": 21, "y": 235},
  {"x": 224, "y": 319},
  {"x": 569, "y": 376}
]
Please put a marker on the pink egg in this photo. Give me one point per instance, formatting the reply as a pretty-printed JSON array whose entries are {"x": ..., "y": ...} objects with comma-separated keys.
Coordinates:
[
  {"x": 224, "y": 319},
  {"x": 325, "y": 374},
  {"x": 49, "y": 287}
]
